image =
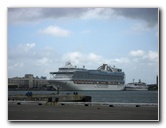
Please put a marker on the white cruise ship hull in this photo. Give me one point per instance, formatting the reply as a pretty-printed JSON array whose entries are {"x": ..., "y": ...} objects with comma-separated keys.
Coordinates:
[
  {"x": 136, "y": 88},
  {"x": 69, "y": 85}
]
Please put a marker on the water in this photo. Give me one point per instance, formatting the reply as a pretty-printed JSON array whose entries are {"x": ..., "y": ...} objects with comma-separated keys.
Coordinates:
[{"x": 108, "y": 96}]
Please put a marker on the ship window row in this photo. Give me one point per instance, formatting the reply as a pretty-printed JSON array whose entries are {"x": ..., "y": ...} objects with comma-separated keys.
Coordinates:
[
  {"x": 97, "y": 82},
  {"x": 99, "y": 77},
  {"x": 64, "y": 75},
  {"x": 105, "y": 73}
]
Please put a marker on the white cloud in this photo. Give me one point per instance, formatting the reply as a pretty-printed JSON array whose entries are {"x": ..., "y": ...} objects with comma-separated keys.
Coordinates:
[
  {"x": 144, "y": 57},
  {"x": 100, "y": 13},
  {"x": 44, "y": 61},
  {"x": 90, "y": 60},
  {"x": 94, "y": 58},
  {"x": 137, "y": 53},
  {"x": 153, "y": 56},
  {"x": 93, "y": 13},
  {"x": 26, "y": 47},
  {"x": 26, "y": 58},
  {"x": 30, "y": 45},
  {"x": 55, "y": 31},
  {"x": 140, "y": 27},
  {"x": 122, "y": 60},
  {"x": 74, "y": 57},
  {"x": 29, "y": 51},
  {"x": 16, "y": 65}
]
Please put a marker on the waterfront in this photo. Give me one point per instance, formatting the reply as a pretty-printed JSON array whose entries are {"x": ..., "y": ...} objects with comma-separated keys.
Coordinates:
[
  {"x": 108, "y": 96},
  {"x": 122, "y": 107}
]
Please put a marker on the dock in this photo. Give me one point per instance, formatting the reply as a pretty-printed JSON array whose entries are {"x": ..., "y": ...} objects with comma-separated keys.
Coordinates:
[{"x": 49, "y": 98}]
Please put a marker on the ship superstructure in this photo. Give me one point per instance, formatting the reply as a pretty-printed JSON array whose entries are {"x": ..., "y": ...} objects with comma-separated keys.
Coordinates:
[
  {"x": 136, "y": 86},
  {"x": 73, "y": 78}
]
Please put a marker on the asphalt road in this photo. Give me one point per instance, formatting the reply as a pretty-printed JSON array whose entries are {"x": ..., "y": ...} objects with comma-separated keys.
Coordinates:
[{"x": 83, "y": 113}]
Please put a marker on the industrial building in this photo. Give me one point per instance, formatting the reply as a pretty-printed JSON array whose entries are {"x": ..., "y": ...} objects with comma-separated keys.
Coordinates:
[{"x": 28, "y": 81}]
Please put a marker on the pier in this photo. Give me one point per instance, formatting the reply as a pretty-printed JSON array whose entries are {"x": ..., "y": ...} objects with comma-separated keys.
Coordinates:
[{"x": 50, "y": 98}]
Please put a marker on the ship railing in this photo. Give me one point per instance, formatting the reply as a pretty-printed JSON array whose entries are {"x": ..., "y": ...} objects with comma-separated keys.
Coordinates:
[{"x": 60, "y": 78}]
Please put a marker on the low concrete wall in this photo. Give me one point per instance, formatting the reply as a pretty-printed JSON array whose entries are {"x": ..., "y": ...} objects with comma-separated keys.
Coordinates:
[{"x": 51, "y": 98}]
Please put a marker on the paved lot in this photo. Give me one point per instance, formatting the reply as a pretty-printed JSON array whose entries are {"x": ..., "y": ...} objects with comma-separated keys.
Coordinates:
[{"x": 45, "y": 112}]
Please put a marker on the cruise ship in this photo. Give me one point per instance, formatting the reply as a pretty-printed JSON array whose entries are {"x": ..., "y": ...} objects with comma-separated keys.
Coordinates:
[
  {"x": 136, "y": 86},
  {"x": 105, "y": 77}
]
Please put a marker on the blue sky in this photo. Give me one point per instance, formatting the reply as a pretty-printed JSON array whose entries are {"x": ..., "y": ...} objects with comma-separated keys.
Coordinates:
[{"x": 40, "y": 40}]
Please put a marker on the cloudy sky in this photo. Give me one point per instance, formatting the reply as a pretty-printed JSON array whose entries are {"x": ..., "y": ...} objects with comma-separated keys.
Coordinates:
[{"x": 40, "y": 40}]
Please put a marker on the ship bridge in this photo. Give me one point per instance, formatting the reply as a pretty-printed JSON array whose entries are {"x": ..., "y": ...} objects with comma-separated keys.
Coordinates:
[{"x": 67, "y": 71}]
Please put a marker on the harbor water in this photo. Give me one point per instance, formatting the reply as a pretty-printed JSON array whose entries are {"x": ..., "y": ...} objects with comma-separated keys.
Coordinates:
[{"x": 107, "y": 96}]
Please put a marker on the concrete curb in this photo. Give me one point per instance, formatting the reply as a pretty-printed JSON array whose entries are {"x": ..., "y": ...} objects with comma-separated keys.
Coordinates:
[{"x": 109, "y": 104}]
